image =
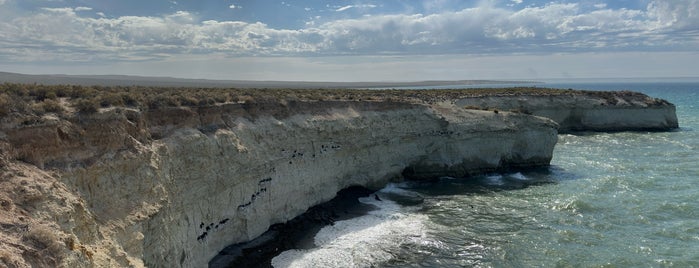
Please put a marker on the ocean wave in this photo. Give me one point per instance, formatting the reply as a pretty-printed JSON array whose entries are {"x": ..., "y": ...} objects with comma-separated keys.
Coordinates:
[{"x": 363, "y": 241}]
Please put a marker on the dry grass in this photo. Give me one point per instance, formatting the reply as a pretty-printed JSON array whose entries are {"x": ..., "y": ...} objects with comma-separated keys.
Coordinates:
[
  {"x": 39, "y": 99},
  {"x": 46, "y": 241},
  {"x": 10, "y": 260}
]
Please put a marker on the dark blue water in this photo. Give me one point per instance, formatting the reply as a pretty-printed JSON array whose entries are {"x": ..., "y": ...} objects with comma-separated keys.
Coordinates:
[{"x": 627, "y": 199}]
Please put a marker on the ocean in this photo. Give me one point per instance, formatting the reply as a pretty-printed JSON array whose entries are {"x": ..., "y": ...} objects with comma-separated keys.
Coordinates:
[{"x": 627, "y": 199}]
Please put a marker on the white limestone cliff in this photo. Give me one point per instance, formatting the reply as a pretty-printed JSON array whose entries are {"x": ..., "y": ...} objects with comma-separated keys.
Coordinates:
[
  {"x": 171, "y": 187},
  {"x": 211, "y": 182},
  {"x": 596, "y": 111}
]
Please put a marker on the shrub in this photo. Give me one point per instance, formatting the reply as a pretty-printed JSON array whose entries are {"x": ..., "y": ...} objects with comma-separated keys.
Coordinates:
[
  {"x": 220, "y": 98},
  {"x": 82, "y": 92},
  {"x": 41, "y": 93},
  {"x": 44, "y": 238},
  {"x": 161, "y": 101},
  {"x": 203, "y": 100},
  {"x": 111, "y": 99},
  {"x": 4, "y": 104},
  {"x": 129, "y": 99},
  {"x": 87, "y": 106},
  {"x": 188, "y": 101},
  {"x": 51, "y": 106}
]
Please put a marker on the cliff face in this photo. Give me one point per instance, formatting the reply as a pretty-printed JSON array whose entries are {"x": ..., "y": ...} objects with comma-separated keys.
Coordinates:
[
  {"x": 172, "y": 187},
  {"x": 596, "y": 111}
]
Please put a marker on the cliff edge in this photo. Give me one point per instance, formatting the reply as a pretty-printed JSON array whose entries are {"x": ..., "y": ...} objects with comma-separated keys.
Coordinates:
[
  {"x": 170, "y": 186},
  {"x": 589, "y": 111}
]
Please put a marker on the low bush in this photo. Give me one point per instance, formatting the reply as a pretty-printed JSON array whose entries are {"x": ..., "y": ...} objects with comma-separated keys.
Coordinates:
[
  {"x": 87, "y": 106},
  {"x": 51, "y": 106},
  {"x": 161, "y": 101},
  {"x": 33, "y": 98},
  {"x": 46, "y": 239},
  {"x": 111, "y": 99},
  {"x": 4, "y": 104}
]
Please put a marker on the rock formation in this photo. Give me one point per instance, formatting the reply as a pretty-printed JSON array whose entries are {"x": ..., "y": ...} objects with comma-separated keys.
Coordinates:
[
  {"x": 594, "y": 111},
  {"x": 170, "y": 187}
]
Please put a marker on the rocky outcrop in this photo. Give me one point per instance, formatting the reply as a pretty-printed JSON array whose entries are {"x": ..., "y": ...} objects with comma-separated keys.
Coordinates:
[
  {"x": 223, "y": 174},
  {"x": 592, "y": 111},
  {"x": 170, "y": 187}
]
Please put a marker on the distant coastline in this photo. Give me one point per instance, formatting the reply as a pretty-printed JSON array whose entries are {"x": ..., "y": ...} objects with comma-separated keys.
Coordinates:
[{"x": 128, "y": 80}]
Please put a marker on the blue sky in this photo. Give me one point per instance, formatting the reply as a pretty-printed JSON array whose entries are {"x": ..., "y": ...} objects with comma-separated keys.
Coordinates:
[{"x": 393, "y": 40}]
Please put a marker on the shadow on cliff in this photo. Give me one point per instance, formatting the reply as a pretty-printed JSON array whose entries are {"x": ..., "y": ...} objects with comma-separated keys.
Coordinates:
[{"x": 299, "y": 232}]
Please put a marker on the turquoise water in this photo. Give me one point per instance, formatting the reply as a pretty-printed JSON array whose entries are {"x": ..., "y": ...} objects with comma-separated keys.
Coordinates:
[{"x": 625, "y": 199}]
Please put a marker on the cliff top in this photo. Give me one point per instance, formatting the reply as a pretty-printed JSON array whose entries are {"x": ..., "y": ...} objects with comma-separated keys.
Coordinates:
[{"x": 61, "y": 100}]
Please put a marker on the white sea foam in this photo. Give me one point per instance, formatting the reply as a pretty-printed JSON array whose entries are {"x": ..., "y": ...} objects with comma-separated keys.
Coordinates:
[
  {"x": 360, "y": 242},
  {"x": 518, "y": 176}
]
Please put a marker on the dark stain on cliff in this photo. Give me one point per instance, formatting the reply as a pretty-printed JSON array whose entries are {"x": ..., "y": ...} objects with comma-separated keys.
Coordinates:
[{"x": 262, "y": 188}]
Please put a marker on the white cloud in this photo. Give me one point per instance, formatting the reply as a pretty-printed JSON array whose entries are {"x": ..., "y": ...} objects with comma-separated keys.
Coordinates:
[
  {"x": 675, "y": 14},
  {"x": 64, "y": 34},
  {"x": 364, "y": 6},
  {"x": 59, "y": 9},
  {"x": 83, "y": 9},
  {"x": 344, "y": 8},
  {"x": 232, "y": 6}
]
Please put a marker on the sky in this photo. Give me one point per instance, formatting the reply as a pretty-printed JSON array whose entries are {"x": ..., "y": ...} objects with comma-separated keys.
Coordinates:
[{"x": 359, "y": 40}]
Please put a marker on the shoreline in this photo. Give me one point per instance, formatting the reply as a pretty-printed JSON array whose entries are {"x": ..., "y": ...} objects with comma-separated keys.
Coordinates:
[{"x": 239, "y": 161}]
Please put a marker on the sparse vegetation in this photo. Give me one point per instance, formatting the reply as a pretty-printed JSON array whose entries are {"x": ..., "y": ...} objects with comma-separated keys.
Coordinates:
[
  {"x": 38, "y": 99},
  {"x": 51, "y": 106},
  {"x": 46, "y": 240},
  {"x": 87, "y": 106},
  {"x": 4, "y": 104}
]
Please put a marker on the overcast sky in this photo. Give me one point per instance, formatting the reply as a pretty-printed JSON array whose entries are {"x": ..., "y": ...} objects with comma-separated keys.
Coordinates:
[{"x": 352, "y": 40}]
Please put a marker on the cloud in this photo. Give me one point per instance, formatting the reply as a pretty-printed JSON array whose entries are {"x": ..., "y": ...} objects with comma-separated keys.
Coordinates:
[
  {"x": 675, "y": 14},
  {"x": 64, "y": 34},
  {"x": 232, "y": 6},
  {"x": 344, "y": 8},
  {"x": 364, "y": 6},
  {"x": 59, "y": 9},
  {"x": 83, "y": 9}
]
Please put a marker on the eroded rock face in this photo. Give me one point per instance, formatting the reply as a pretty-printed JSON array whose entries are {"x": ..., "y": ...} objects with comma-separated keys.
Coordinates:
[
  {"x": 271, "y": 170},
  {"x": 602, "y": 111},
  {"x": 169, "y": 188}
]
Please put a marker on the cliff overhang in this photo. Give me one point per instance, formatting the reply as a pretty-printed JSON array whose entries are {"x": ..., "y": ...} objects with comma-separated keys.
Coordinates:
[{"x": 171, "y": 186}]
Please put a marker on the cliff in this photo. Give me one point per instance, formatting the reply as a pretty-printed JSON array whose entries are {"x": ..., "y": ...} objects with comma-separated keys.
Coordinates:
[
  {"x": 171, "y": 186},
  {"x": 592, "y": 111}
]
